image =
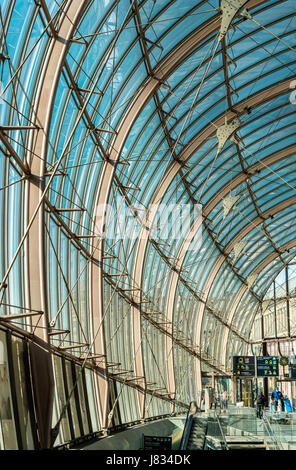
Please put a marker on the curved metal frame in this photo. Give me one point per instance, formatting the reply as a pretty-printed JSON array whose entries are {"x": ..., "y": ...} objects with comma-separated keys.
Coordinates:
[{"x": 34, "y": 168}]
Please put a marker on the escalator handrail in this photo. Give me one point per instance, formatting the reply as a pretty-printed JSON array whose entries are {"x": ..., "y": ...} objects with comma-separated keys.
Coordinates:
[
  {"x": 221, "y": 431},
  {"x": 187, "y": 428},
  {"x": 271, "y": 433}
]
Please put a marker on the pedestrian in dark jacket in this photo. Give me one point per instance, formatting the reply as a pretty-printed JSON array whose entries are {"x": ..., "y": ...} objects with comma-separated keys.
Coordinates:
[{"x": 261, "y": 402}]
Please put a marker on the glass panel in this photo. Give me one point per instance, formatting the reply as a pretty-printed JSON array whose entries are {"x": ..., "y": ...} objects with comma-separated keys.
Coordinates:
[
  {"x": 6, "y": 410},
  {"x": 113, "y": 404},
  {"x": 72, "y": 399},
  {"x": 60, "y": 401},
  {"x": 89, "y": 377},
  {"x": 82, "y": 401},
  {"x": 20, "y": 377}
]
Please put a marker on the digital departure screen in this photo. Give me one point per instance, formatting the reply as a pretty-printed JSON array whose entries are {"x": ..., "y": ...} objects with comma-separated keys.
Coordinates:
[
  {"x": 267, "y": 366},
  {"x": 157, "y": 443},
  {"x": 244, "y": 366}
]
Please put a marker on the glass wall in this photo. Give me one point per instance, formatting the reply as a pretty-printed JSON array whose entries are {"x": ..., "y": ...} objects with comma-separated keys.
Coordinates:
[
  {"x": 75, "y": 411},
  {"x": 93, "y": 407},
  {"x": 75, "y": 408},
  {"x": 278, "y": 307},
  {"x": 23, "y": 392},
  {"x": 8, "y": 434},
  {"x": 60, "y": 409}
]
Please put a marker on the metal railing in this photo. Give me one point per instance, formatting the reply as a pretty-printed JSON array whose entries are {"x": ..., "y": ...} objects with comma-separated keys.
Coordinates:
[
  {"x": 271, "y": 439},
  {"x": 103, "y": 433},
  {"x": 187, "y": 428},
  {"x": 215, "y": 433},
  {"x": 225, "y": 445}
]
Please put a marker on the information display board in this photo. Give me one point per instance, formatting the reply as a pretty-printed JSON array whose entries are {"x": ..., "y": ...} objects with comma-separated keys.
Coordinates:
[
  {"x": 292, "y": 367},
  {"x": 244, "y": 366},
  {"x": 157, "y": 442},
  {"x": 267, "y": 366},
  {"x": 292, "y": 371}
]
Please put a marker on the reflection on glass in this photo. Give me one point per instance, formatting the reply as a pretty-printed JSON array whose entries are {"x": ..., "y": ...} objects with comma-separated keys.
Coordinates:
[
  {"x": 82, "y": 401},
  {"x": 89, "y": 375},
  {"x": 71, "y": 393},
  {"x": 60, "y": 401},
  {"x": 21, "y": 393},
  {"x": 6, "y": 411}
]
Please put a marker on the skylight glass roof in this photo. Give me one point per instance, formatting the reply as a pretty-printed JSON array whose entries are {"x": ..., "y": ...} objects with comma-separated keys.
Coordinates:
[{"x": 110, "y": 117}]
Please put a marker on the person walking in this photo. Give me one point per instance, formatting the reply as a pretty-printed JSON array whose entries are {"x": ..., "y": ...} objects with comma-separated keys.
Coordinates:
[
  {"x": 261, "y": 402},
  {"x": 214, "y": 400},
  {"x": 277, "y": 397},
  {"x": 224, "y": 400}
]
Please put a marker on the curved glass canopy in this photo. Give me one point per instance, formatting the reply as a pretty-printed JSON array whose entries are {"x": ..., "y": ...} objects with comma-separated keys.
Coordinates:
[{"x": 147, "y": 182}]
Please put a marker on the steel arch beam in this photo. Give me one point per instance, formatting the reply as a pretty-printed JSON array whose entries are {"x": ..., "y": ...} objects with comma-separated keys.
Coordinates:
[
  {"x": 188, "y": 151},
  {"x": 171, "y": 299},
  {"x": 36, "y": 265},
  {"x": 216, "y": 199},
  {"x": 44, "y": 102},
  {"x": 257, "y": 221},
  {"x": 265, "y": 291},
  {"x": 183, "y": 248},
  {"x": 277, "y": 156},
  {"x": 288, "y": 151},
  {"x": 243, "y": 288},
  {"x": 174, "y": 169},
  {"x": 170, "y": 63},
  {"x": 225, "y": 190}
]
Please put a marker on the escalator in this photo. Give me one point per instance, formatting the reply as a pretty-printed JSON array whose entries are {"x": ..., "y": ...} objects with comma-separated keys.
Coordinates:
[
  {"x": 240, "y": 429},
  {"x": 197, "y": 434},
  {"x": 195, "y": 431},
  {"x": 245, "y": 443},
  {"x": 207, "y": 433}
]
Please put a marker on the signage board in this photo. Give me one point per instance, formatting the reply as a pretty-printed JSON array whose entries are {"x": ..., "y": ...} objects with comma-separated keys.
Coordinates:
[
  {"x": 244, "y": 366},
  {"x": 292, "y": 371},
  {"x": 267, "y": 366}
]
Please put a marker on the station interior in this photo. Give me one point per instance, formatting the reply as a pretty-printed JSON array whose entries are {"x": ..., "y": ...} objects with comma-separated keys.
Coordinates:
[{"x": 147, "y": 248}]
